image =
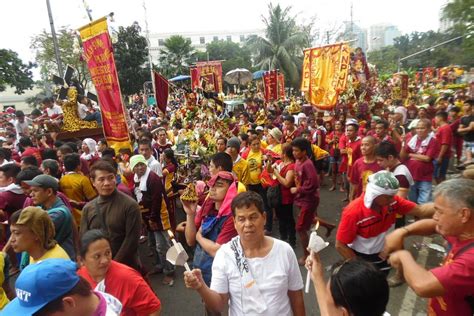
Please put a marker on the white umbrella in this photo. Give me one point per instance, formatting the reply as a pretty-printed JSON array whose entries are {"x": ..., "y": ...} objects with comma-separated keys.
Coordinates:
[{"x": 238, "y": 76}]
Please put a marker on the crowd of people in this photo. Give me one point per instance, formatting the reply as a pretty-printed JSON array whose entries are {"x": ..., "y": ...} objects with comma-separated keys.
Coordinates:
[{"x": 74, "y": 213}]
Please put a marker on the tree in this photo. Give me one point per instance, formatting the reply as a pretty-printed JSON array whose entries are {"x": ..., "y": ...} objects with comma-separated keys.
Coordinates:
[
  {"x": 460, "y": 12},
  {"x": 385, "y": 59},
  {"x": 231, "y": 53},
  {"x": 131, "y": 59},
  {"x": 282, "y": 47},
  {"x": 70, "y": 53},
  {"x": 14, "y": 72},
  {"x": 177, "y": 55},
  {"x": 457, "y": 52}
]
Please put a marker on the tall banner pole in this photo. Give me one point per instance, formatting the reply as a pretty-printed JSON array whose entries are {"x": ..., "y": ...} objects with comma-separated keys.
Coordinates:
[{"x": 98, "y": 53}]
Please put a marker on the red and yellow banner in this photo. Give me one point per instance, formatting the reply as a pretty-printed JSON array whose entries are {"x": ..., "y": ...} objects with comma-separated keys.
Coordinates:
[
  {"x": 281, "y": 86},
  {"x": 270, "y": 84},
  {"x": 328, "y": 72},
  {"x": 208, "y": 74},
  {"x": 98, "y": 53}
]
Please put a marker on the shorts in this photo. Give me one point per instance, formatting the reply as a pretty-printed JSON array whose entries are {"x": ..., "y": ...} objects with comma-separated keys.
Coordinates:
[
  {"x": 306, "y": 216},
  {"x": 469, "y": 146},
  {"x": 440, "y": 169}
]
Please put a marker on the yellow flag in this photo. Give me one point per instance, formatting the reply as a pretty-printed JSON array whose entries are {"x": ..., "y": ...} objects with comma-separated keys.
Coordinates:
[{"x": 328, "y": 71}]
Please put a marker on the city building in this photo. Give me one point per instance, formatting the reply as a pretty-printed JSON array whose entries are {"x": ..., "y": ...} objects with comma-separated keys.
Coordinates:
[
  {"x": 354, "y": 33},
  {"x": 9, "y": 98},
  {"x": 199, "y": 40},
  {"x": 381, "y": 35}
]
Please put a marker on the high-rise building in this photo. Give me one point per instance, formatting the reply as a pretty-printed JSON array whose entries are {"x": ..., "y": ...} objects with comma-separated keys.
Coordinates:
[
  {"x": 199, "y": 40},
  {"x": 381, "y": 35},
  {"x": 354, "y": 33}
]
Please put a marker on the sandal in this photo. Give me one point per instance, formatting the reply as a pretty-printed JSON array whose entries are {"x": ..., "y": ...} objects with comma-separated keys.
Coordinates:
[{"x": 168, "y": 280}]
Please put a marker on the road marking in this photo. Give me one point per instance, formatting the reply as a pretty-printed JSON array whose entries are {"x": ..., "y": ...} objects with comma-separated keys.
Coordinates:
[{"x": 409, "y": 301}]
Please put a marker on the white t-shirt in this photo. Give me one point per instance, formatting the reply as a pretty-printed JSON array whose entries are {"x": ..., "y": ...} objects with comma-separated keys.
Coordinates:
[
  {"x": 275, "y": 275},
  {"x": 155, "y": 166},
  {"x": 402, "y": 170},
  {"x": 22, "y": 129},
  {"x": 55, "y": 110},
  {"x": 82, "y": 110}
]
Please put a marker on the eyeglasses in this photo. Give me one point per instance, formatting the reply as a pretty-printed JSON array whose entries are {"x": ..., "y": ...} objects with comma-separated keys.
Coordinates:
[{"x": 334, "y": 275}]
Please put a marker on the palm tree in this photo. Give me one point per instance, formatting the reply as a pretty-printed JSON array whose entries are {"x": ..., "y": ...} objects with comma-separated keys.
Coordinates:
[
  {"x": 176, "y": 56},
  {"x": 282, "y": 47}
]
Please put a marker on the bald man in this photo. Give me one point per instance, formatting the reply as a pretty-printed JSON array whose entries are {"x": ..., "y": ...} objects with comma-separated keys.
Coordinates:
[{"x": 364, "y": 166}]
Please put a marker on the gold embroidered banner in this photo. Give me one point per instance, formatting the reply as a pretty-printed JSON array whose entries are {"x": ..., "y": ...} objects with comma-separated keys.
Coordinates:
[
  {"x": 98, "y": 53},
  {"x": 328, "y": 71},
  {"x": 306, "y": 69},
  {"x": 281, "y": 86}
]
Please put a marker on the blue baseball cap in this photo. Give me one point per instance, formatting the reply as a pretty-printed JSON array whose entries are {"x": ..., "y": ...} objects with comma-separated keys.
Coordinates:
[{"x": 40, "y": 283}]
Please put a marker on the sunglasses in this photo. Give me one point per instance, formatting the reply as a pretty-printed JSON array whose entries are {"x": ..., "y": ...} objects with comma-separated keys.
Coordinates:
[{"x": 334, "y": 276}]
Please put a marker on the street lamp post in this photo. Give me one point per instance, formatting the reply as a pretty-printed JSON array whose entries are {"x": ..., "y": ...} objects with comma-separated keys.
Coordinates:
[
  {"x": 55, "y": 39},
  {"x": 429, "y": 49}
]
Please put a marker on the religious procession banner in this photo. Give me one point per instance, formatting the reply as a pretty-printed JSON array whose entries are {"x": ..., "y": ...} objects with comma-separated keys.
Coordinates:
[
  {"x": 400, "y": 86},
  {"x": 328, "y": 73},
  {"x": 161, "y": 91},
  {"x": 270, "y": 84},
  {"x": 306, "y": 71},
  {"x": 98, "y": 53},
  {"x": 207, "y": 75},
  {"x": 281, "y": 86}
]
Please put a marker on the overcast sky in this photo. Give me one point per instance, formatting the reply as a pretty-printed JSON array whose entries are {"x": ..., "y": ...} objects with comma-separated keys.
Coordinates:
[{"x": 22, "y": 19}]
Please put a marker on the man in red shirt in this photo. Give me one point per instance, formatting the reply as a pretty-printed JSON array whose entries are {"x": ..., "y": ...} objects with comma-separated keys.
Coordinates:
[
  {"x": 364, "y": 166},
  {"x": 451, "y": 286},
  {"x": 444, "y": 136},
  {"x": 419, "y": 153},
  {"x": 382, "y": 131},
  {"x": 366, "y": 221},
  {"x": 350, "y": 146},
  {"x": 29, "y": 150}
]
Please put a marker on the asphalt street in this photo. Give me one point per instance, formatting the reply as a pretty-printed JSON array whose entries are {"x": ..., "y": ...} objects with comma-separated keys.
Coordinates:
[{"x": 177, "y": 300}]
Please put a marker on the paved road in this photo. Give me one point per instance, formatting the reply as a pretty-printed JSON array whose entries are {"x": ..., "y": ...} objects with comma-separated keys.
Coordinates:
[{"x": 177, "y": 300}]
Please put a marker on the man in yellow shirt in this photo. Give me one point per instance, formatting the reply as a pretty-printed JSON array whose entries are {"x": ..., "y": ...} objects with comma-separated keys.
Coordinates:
[
  {"x": 32, "y": 231},
  {"x": 240, "y": 165},
  {"x": 77, "y": 187}
]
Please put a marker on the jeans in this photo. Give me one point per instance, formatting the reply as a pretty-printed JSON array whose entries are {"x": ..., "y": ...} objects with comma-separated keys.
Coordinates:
[
  {"x": 420, "y": 192},
  {"x": 95, "y": 116},
  {"x": 441, "y": 169},
  {"x": 163, "y": 243},
  {"x": 286, "y": 223}
]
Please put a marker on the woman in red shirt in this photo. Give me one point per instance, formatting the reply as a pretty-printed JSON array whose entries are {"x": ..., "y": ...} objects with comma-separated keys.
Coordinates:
[
  {"x": 285, "y": 174},
  {"x": 114, "y": 278}
]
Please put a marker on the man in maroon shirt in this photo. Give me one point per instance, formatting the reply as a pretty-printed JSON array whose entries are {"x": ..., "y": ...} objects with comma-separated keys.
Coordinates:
[
  {"x": 306, "y": 192},
  {"x": 450, "y": 287},
  {"x": 290, "y": 131},
  {"x": 419, "y": 153},
  {"x": 444, "y": 136},
  {"x": 11, "y": 200},
  {"x": 11, "y": 194},
  {"x": 364, "y": 166}
]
